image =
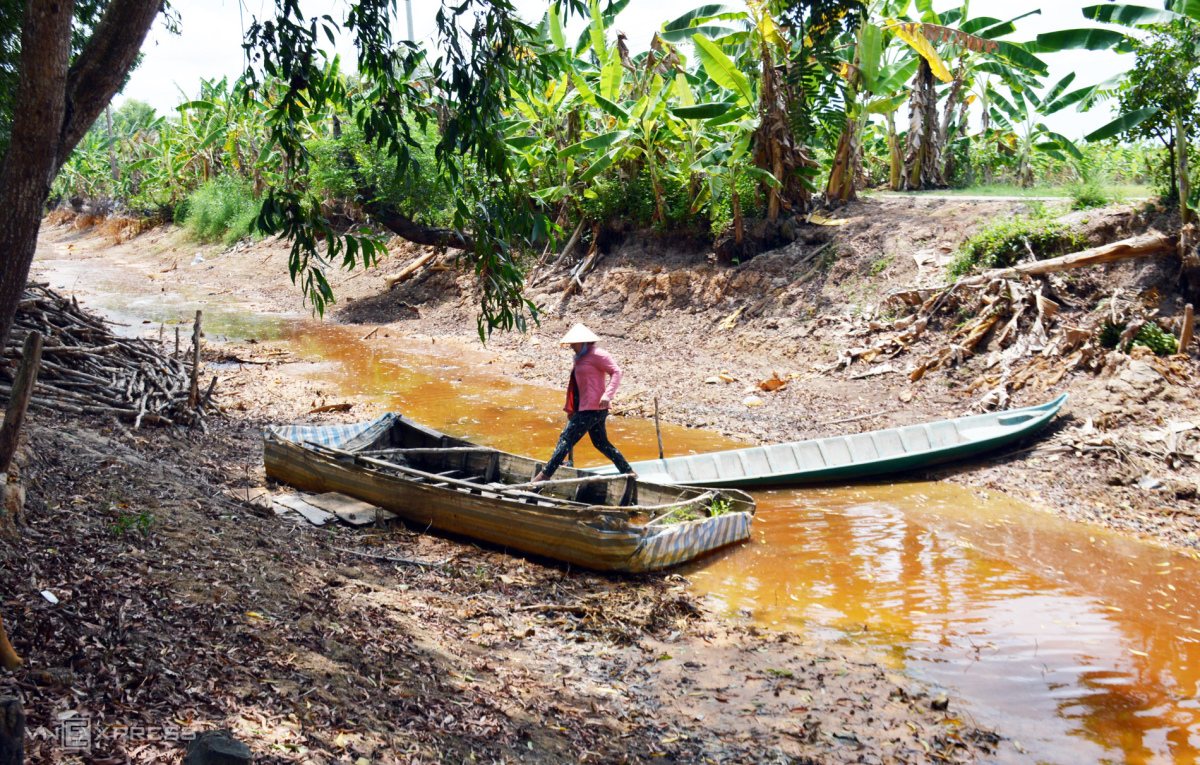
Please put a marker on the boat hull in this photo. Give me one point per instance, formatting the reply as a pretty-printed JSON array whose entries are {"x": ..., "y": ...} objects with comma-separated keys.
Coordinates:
[
  {"x": 597, "y": 537},
  {"x": 854, "y": 457}
]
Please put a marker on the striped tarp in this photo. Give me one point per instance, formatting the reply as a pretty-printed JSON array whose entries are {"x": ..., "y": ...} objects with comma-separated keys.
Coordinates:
[
  {"x": 683, "y": 541},
  {"x": 353, "y": 437}
]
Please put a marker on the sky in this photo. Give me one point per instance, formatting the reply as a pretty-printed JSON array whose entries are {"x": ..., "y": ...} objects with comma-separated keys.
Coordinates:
[{"x": 210, "y": 44}]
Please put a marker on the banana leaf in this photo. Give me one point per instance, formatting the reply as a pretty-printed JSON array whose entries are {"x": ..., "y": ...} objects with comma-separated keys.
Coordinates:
[
  {"x": 1125, "y": 122},
  {"x": 1128, "y": 15}
]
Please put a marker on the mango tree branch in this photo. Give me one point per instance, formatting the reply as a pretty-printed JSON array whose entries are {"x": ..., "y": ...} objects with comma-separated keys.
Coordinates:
[{"x": 100, "y": 69}]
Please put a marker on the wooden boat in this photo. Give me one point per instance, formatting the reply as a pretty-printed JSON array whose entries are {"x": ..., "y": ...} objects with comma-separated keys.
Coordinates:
[
  {"x": 607, "y": 523},
  {"x": 839, "y": 458}
]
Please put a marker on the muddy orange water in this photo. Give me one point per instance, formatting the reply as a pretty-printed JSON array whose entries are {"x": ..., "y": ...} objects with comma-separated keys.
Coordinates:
[{"x": 1082, "y": 646}]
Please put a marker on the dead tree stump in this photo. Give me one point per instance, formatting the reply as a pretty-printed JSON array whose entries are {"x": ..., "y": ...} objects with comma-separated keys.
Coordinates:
[
  {"x": 215, "y": 747},
  {"x": 12, "y": 732}
]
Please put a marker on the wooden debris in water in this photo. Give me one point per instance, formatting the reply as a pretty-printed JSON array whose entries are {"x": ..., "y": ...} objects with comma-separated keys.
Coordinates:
[{"x": 86, "y": 369}]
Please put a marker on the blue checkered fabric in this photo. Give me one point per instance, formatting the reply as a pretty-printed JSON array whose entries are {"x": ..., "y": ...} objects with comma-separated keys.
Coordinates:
[{"x": 351, "y": 438}]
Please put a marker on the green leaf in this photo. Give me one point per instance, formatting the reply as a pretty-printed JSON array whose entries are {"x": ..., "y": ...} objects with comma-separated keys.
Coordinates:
[
  {"x": 711, "y": 31},
  {"x": 593, "y": 144},
  {"x": 722, "y": 70},
  {"x": 611, "y": 107},
  {"x": 763, "y": 175},
  {"x": 1065, "y": 143},
  {"x": 1125, "y": 122},
  {"x": 886, "y": 104},
  {"x": 869, "y": 53},
  {"x": 556, "y": 30},
  {"x": 925, "y": 8},
  {"x": 702, "y": 111},
  {"x": 523, "y": 142},
  {"x": 597, "y": 31},
  {"x": 196, "y": 105},
  {"x": 733, "y": 115},
  {"x": 896, "y": 79},
  {"x": 1127, "y": 15},
  {"x": 600, "y": 165},
  {"x": 999, "y": 29},
  {"x": 611, "y": 77},
  {"x": 1018, "y": 56},
  {"x": 698, "y": 14},
  {"x": 1091, "y": 38}
]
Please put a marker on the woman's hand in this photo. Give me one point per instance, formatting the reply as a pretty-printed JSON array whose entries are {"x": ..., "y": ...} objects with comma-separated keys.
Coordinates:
[{"x": 605, "y": 402}]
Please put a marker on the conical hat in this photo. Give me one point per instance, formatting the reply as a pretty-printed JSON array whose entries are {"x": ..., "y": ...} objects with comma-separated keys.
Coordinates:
[{"x": 579, "y": 334}]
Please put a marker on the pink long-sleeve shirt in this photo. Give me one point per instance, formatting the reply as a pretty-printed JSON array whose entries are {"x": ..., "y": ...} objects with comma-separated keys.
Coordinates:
[{"x": 589, "y": 373}]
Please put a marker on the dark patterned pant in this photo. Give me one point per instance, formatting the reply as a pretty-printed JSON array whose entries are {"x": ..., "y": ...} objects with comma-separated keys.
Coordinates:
[{"x": 592, "y": 423}]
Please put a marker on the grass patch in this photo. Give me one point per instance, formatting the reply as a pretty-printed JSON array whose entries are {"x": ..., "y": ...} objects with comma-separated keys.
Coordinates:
[
  {"x": 1091, "y": 192},
  {"x": 222, "y": 210},
  {"x": 1007, "y": 241}
]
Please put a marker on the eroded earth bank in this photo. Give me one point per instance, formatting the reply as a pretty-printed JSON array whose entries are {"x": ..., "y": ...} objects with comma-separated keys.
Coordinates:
[{"x": 180, "y": 606}]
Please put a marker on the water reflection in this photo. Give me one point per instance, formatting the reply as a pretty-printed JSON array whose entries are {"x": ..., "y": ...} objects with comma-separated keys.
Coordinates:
[
  {"x": 1081, "y": 645},
  {"x": 1084, "y": 642}
]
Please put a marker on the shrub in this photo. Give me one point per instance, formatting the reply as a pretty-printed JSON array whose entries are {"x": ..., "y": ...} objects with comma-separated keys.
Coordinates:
[
  {"x": 1090, "y": 191},
  {"x": 223, "y": 209},
  {"x": 1007, "y": 241}
]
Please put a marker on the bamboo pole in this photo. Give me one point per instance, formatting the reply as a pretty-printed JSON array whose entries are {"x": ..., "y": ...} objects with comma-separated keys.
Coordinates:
[
  {"x": 658, "y": 428},
  {"x": 1185, "y": 332},
  {"x": 194, "y": 394},
  {"x": 18, "y": 402}
]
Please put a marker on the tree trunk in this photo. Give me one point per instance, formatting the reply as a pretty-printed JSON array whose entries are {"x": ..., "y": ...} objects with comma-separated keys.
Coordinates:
[
  {"x": 54, "y": 109},
  {"x": 922, "y": 159},
  {"x": 1173, "y": 187},
  {"x": 1185, "y": 182},
  {"x": 894, "y": 156},
  {"x": 739, "y": 229},
  {"x": 31, "y": 160}
]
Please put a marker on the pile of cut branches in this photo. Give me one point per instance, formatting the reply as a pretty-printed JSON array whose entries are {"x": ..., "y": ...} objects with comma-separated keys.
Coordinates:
[
  {"x": 86, "y": 369},
  {"x": 1014, "y": 318}
]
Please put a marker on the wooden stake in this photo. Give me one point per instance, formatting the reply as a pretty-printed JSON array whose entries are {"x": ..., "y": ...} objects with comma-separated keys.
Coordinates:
[
  {"x": 1185, "y": 332},
  {"x": 176, "y": 341},
  {"x": 658, "y": 428},
  {"x": 18, "y": 403},
  {"x": 194, "y": 395},
  {"x": 8, "y": 657}
]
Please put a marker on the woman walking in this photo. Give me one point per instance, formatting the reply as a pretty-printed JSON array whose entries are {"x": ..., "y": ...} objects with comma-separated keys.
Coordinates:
[{"x": 588, "y": 399}]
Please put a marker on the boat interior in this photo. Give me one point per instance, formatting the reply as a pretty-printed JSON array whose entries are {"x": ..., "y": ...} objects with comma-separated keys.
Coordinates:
[{"x": 422, "y": 455}]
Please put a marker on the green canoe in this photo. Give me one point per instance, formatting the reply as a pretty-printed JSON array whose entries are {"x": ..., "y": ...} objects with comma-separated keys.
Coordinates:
[{"x": 840, "y": 458}]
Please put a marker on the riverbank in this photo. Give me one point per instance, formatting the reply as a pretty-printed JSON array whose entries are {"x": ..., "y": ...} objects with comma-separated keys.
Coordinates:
[
  {"x": 702, "y": 339},
  {"x": 173, "y": 608}
]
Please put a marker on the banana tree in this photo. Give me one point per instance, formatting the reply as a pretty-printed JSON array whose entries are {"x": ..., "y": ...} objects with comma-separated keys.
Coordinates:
[
  {"x": 1174, "y": 103},
  {"x": 968, "y": 44},
  {"x": 731, "y": 42},
  {"x": 1022, "y": 118},
  {"x": 874, "y": 76}
]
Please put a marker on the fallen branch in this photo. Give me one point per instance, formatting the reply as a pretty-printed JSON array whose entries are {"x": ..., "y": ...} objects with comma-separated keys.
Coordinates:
[
  {"x": 392, "y": 281},
  {"x": 1134, "y": 247}
]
